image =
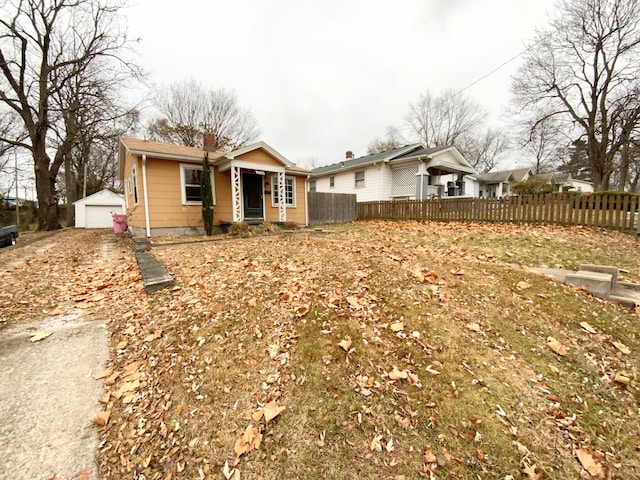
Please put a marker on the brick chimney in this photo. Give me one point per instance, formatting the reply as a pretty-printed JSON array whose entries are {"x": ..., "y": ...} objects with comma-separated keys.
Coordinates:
[
  {"x": 349, "y": 155},
  {"x": 209, "y": 142}
]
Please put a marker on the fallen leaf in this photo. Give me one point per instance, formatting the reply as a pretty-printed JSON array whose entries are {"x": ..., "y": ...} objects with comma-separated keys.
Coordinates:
[
  {"x": 102, "y": 374},
  {"x": 102, "y": 418},
  {"x": 271, "y": 410},
  {"x": 429, "y": 456},
  {"x": 397, "y": 326},
  {"x": 588, "y": 327},
  {"x": 556, "y": 346},
  {"x": 302, "y": 310},
  {"x": 413, "y": 378},
  {"x": 459, "y": 271},
  {"x": 345, "y": 344},
  {"x": 622, "y": 347},
  {"x": 226, "y": 472},
  {"x": 622, "y": 377},
  {"x": 36, "y": 337},
  {"x": 523, "y": 285},
  {"x": 396, "y": 374},
  {"x": 474, "y": 327},
  {"x": 257, "y": 415},
  {"x": 154, "y": 336},
  {"x": 83, "y": 474},
  {"x": 531, "y": 473},
  {"x": 248, "y": 441},
  {"x": 376, "y": 443},
  {"x": 589, "y": 464},
  {"x": 432, "y": 371}
]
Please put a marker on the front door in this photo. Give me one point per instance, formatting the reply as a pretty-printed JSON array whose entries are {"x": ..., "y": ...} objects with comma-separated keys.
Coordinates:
[{"x": 252, "y": 196}]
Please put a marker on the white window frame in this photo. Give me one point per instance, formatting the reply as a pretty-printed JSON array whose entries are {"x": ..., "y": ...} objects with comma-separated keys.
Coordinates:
[
  {"x": 356, "y": 179},
  {"x": 274, "y": 190},
  {"x": 332, "y": 181},
  {"x": 313, "y": 185},
  {"x": 134, "y": 181},
  {"x": 183, "y": 184}
]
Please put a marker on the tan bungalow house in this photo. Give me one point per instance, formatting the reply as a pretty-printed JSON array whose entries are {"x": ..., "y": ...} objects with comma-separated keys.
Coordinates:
[{"x": 253, "y": 184}]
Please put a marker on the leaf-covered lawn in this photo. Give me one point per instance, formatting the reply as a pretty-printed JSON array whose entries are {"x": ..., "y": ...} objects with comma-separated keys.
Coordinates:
[{"x": 375, "y": 350}]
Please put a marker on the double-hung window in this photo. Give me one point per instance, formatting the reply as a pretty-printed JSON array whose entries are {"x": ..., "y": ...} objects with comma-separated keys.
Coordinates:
[
  {"x": 359, "y": 179},
  {"x": 289, "y": 191},
  {"x": 190, "y": 180}
]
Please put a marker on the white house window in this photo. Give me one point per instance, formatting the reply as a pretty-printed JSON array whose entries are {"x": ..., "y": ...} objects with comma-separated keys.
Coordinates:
[
  {"x": 289, "y": 191},
  {"x": 312, "y": 186},
  {"x": 135, "y": 185},
  {"x": 332, "y": 182},
  {"x": 359, "y": 179},
  {"x": 190, "y": 180}
]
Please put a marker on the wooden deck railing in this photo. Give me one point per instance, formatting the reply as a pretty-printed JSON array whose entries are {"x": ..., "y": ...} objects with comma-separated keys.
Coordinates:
[{"x": 619, "y": 212}]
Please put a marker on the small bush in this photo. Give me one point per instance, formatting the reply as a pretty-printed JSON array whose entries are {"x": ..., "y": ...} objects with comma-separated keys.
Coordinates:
[
  {"x": 531, "y": 187},
  {"x": 240, "y": 229}
]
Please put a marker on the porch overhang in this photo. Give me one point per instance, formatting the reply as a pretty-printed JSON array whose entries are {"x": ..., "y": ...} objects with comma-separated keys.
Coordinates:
[
  {"x": 449, "y": 167},
  {"x": 225, "y": 164}
]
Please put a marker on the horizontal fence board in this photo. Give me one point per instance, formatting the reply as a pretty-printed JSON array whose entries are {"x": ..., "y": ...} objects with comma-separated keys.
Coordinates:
[{"x": 616, "y": 212}]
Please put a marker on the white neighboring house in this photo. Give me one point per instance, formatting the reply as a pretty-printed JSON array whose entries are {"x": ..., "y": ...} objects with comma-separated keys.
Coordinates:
[
  {"x": 564, "y": 182},
  {"x": 95, "y": 210},
  {"x": 496, "y": 184},
  {"x": 410, "y": 172}
]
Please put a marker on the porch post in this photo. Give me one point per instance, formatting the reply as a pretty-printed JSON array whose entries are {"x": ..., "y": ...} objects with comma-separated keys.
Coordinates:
[
  {"x": 236, "y": 200},
  {"x": 282, "y": 211}
]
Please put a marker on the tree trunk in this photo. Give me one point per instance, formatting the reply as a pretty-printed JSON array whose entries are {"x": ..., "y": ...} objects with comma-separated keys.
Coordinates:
[
  {"x": 71, "y": 191},
  {"x": 45, "y": 189}
]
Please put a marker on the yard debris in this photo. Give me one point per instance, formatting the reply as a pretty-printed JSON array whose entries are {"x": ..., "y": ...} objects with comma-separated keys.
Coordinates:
[
  {"x": 443, "y": 333},
  {"x": 40, "y": 335},
  {"x": 556, "y": 346}
]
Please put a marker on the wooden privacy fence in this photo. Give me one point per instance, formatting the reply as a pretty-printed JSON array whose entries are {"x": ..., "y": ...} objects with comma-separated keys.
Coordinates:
[
  {"x": 331, "y": 208},
  {"x": 618, "y": 212}
]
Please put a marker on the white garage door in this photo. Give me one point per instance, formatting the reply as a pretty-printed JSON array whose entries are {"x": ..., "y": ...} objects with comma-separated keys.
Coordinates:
[{"x": 99, "y": 216}]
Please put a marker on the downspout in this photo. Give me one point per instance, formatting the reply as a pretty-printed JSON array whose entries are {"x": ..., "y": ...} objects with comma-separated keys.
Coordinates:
[
  {"x": 145, "y": 193},
  {"x": 306, "y": 198}
]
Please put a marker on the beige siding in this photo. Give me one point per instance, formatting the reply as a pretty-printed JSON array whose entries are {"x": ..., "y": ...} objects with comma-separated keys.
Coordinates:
[{"x": 165, "y": 197}]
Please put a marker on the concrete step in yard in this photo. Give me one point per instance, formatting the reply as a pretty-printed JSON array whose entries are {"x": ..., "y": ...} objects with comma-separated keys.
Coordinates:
[{"x": 600, "y": 281}]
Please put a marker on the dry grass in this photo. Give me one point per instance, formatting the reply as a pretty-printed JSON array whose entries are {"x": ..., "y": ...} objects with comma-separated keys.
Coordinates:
[{"x": 262, "y": 319}]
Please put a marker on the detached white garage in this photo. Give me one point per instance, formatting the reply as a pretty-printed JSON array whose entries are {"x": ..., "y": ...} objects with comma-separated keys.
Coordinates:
[{"x": 95, "y": 210}]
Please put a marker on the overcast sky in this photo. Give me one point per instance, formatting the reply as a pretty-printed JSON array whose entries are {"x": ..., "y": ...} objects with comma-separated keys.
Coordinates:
[{"x": 323, "y": 77}]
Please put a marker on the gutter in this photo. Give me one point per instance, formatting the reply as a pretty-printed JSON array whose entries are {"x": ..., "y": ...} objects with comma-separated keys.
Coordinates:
[{"x": 145, "y": 194}]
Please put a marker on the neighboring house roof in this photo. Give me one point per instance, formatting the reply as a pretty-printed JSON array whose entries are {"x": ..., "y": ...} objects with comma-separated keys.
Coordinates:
[
  {"x": 516, "y": 175},
  {"x": 435, "y": 160},
  {"x": 103, "y": 197},
  {"x": 366, "y": 160},
  {"x": 405, "y": 153}
]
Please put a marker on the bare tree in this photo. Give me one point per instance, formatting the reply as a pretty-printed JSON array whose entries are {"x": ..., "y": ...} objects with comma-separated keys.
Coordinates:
[
  {"x": 189, "y": 110},
  {"x": 540, "y": 140},
  {"x": 391, "y": 140},
  {"x": 483, "y": 149},
  {"x": 583, "y": 68},
  {"x": 45, "y": 45},
  {"x": 444, "y": 120}
]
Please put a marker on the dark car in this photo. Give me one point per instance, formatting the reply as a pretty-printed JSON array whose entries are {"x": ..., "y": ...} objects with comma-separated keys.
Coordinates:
[{"x": 8, "y": 235}]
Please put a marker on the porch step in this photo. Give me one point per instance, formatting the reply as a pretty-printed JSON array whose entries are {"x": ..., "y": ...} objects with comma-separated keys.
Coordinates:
[{"x": 154, "y": 276}]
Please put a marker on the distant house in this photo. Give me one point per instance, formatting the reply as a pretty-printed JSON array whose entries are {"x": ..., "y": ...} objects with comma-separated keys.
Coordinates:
[
  {"x": 95, "y": 211},
  {"x": 253, "y": 184},
  {"x": 564, "y": 182},
  {"x": 409, "y": 172},
  {"x": 497, "y": 184}
]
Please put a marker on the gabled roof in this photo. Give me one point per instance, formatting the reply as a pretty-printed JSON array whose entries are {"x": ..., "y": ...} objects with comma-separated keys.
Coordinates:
[
  {"x": 103, "y": 194},
  {"x": 516, "y": 175},
  {"x": 172, "y": 151},
  {"x": 436, "y": 159},
  {"x": 256, "y": 146},
  {"x": 366, "y": 160}
]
